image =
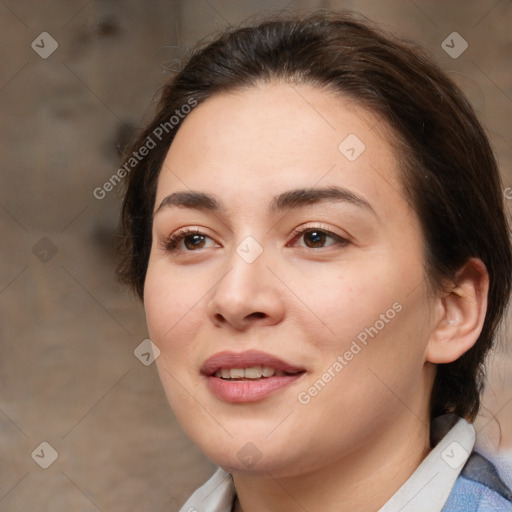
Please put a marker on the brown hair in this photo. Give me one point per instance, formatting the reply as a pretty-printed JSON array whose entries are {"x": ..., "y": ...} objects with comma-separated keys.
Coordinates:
[{"x": 449, "y": 172}]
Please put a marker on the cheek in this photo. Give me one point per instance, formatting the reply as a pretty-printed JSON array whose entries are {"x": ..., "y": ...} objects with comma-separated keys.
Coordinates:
[
  {"x": 171, "y": 303},
  {"x": 172, "y": 306},
  {"x": 347, "y": 299},
  {"x": 369, "y": 315}
]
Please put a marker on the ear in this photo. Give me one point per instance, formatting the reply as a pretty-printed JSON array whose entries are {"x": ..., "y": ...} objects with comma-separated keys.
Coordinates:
[{"x": 460, "y": 314}]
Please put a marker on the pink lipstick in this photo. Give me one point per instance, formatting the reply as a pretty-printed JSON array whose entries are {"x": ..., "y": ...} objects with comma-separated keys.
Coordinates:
[{"x": 248, "y": 376}]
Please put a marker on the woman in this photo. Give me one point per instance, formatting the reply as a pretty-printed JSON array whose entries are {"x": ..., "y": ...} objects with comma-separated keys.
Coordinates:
[{"x": 315, "y": 224}]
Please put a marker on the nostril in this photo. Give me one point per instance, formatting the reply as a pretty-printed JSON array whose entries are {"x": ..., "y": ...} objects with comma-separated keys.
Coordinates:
[
  {"x": 257, "y": 315},
  {"x": 219, "y": 317}
]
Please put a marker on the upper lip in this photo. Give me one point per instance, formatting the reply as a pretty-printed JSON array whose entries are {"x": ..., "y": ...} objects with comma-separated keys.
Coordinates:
[{"x": 246, "y": 360}]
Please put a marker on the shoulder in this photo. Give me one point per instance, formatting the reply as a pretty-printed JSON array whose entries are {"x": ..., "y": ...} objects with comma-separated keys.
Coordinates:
[{"x": 479, "y": 488}]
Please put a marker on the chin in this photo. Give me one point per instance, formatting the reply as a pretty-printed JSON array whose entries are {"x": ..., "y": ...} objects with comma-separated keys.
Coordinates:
[
  {"x": 253, "y": 462},
  {"x": 253, "y": 454}
]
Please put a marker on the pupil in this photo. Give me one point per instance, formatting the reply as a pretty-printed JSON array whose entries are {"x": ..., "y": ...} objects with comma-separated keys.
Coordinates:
[
  {"x": 315, "y": 239},
  {"x": 194, "y": 241}
]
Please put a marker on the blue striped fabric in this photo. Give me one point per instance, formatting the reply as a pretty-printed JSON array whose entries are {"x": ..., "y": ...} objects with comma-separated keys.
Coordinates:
[{"x": 479, "y": 488}]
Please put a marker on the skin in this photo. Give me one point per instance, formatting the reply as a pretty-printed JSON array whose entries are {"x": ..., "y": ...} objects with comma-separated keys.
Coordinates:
[{"x": 370, "y": 424}]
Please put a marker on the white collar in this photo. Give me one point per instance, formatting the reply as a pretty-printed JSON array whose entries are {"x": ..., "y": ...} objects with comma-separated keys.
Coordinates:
[
  {"x": 429, "y": 486},
  {"x": 426, "y": 490},
  {"x": 216, "y": 495}
]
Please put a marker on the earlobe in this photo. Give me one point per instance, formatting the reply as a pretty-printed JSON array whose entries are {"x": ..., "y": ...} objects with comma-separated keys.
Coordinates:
[{"x": 460, "y": 314}]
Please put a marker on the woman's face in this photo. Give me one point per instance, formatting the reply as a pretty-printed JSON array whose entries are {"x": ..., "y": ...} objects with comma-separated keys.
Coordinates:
[{"x": 286, "y": 287}]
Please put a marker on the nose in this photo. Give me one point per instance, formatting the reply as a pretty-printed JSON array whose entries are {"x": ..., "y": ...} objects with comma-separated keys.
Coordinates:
[{"x": 248, "y": 295}]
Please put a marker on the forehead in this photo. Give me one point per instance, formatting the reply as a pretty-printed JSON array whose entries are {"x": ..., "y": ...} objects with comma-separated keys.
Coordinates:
[{"x": 254, "y": 143}]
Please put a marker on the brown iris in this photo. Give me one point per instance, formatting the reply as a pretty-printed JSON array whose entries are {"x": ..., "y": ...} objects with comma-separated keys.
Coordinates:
[
  {"x": 315, "y": 238},
  {"x": 192, "y": 242}
]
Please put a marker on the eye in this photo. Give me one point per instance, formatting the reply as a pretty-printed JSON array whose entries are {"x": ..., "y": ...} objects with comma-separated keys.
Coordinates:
[
  {"x": 192, "y": 239},
  {"x": 187, "y": 240},
  {"x": 317, "y": 238}
]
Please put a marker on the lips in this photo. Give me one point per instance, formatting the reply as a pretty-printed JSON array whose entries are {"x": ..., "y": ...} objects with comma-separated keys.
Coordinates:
[
  {"x": 233, "y": 377},
  {"x": 245, "y": 360}
]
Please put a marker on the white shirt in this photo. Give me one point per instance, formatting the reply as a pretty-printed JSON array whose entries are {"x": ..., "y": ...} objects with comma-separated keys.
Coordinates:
[{"x": 426, "y": 490}]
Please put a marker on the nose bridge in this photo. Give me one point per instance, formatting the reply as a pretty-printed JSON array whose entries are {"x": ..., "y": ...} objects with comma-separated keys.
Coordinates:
[
  {"x": 248, "y": 290},
  {"x": 246, "y": 277}
]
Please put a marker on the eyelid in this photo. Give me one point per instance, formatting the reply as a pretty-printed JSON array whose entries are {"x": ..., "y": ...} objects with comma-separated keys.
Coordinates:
[
  {"x": 170, "y": 242},
  {"x": 300, "y": 230}
]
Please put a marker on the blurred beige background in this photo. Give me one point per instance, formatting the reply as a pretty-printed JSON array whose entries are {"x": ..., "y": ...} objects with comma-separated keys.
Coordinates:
[{"x": 68, "y": 375}]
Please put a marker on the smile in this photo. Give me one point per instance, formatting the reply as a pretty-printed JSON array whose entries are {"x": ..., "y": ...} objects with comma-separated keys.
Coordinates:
[
  {"x": 249, "y": 376},
  {"x": 254, "y": 372}
]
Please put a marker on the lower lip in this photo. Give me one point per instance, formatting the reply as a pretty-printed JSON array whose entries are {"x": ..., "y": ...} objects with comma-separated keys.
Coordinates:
[{"x": 248, "y": 390}]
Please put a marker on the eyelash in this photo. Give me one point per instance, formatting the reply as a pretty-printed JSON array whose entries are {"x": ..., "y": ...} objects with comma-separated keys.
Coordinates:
[
  {"x": 170, "y": 244},
  {"x": 298, "y": 232}
]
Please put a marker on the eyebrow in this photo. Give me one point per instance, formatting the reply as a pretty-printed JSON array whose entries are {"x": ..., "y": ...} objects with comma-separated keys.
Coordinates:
[{"x": 288, "y": 200}]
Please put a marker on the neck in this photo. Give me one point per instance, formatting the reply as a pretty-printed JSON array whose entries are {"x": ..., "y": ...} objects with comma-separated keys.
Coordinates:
[{"x": 364, "y": 480}]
